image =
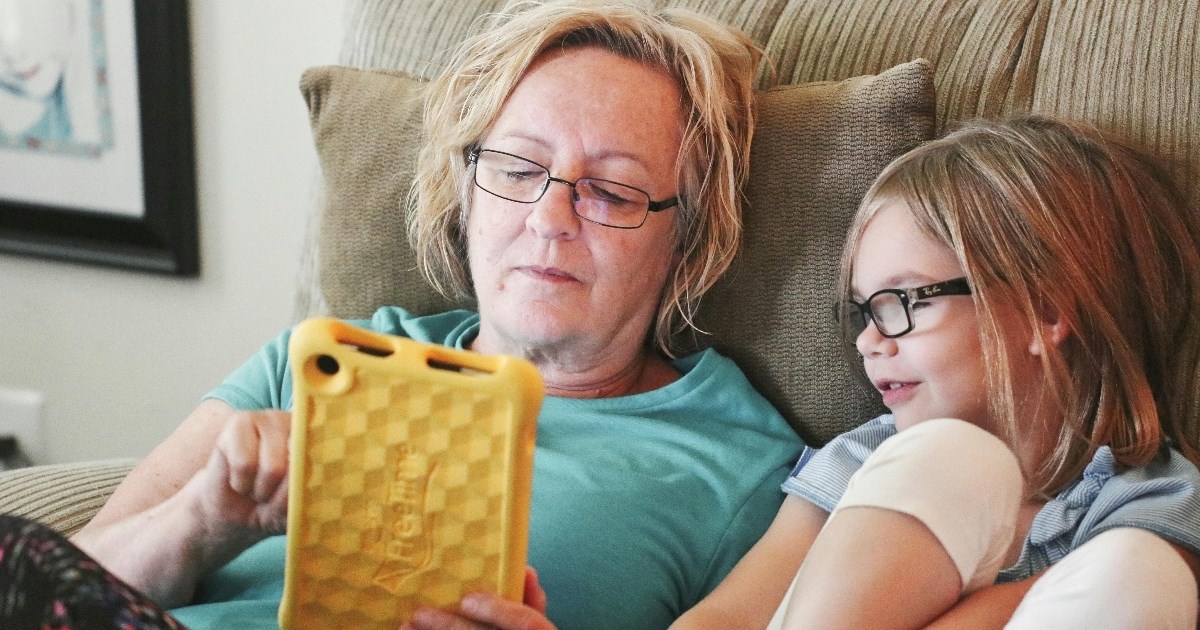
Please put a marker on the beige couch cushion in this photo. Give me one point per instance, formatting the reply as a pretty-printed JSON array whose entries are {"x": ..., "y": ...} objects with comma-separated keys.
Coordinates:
[
  {"x": 1127, "y": 66},
  {"x": 415, "y": 36},
  {"x": 367, "y": 128},
  {"x": 818, "y": 148},
  {"x": 61, "y": 496}
]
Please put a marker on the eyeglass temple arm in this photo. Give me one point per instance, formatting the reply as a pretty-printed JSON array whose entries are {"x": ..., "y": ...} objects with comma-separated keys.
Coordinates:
[
  {"x": 659, "y": 206},
  {"x": 957, "y": 286}
]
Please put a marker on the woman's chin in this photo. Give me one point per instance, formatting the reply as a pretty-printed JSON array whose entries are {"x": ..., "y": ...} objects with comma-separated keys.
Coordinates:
[
  {"x": 544, "y": 336},
  {"x": 533, "y": 331}
]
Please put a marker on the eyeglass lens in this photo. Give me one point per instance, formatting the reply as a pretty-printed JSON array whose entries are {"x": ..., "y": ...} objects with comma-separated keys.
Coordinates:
[
  {"x": 601, "y": 201},
  {"x": 885, "y": 308}
]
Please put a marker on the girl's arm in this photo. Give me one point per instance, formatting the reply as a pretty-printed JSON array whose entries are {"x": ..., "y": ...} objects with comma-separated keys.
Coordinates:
[
  {"x": 989, "y": 607},
  {"x": 746, "y": 598},
  {"x": 1191, "y": 559},
  {"x": 749, "y": 595},
  {"x": 993, "y": 607}
]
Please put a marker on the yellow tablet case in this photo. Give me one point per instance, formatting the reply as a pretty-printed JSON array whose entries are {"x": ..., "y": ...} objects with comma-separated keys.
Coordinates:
[{"x": 410, "y": 476}]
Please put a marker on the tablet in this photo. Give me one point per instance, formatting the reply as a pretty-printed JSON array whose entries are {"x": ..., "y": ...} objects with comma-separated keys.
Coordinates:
[{"x": 409, "y": 476}]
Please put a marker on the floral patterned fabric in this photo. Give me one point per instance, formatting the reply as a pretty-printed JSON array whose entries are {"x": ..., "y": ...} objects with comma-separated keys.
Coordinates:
[{"x": 47, "y": 583}]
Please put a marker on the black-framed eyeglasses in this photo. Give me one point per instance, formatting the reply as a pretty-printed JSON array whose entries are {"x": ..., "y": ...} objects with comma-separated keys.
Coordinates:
[
  {"x": 601, "y": 201},
  {"x": 892, "y": 309}
]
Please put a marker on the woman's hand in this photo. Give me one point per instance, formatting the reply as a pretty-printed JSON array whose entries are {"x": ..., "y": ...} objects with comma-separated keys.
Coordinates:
[
  {"x": 216, "y": 486},
  {"x": 480, "y": 611},
  {"x": 243, "y": 488}
]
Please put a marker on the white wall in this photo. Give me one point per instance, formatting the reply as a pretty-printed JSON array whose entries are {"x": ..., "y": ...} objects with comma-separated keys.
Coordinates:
[{"x": 122, "y": 356}]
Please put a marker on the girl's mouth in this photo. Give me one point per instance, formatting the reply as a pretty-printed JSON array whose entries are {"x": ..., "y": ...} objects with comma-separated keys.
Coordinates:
[{"x": 896, "y": 392}]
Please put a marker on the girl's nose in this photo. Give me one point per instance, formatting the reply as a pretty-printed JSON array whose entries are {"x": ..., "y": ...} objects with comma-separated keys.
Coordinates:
[{"x": 871, "y": 343}]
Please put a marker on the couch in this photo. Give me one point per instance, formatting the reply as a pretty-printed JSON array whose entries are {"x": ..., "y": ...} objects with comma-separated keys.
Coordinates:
[{"x": 853, "y": 84}]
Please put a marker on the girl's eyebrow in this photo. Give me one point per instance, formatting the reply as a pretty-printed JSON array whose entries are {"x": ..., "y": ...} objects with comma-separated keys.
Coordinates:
[
  {"x": 907, "y": 280},
  {"x": 902, "y": 280}
]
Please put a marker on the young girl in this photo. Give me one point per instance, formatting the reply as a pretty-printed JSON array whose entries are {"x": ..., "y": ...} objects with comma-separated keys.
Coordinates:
[{"x": 1039, "y": 283}]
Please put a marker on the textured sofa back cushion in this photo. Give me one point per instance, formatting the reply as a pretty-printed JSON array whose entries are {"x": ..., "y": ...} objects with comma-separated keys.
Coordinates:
[
  {"x": 818, "y": 147},
  {"x": 1129, "y": 66}
]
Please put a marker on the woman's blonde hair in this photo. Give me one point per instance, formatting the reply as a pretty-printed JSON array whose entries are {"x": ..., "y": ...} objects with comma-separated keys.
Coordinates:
[
  {"x": 1051, "y": 217},
  {"x": 714, "y": 66}
]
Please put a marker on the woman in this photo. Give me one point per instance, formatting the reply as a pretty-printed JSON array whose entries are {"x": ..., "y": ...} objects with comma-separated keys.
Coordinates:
[{"x": 581, "y": 179}]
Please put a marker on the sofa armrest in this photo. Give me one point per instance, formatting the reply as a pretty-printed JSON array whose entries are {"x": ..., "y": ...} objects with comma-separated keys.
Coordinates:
[{"x": 62, "y": 496}]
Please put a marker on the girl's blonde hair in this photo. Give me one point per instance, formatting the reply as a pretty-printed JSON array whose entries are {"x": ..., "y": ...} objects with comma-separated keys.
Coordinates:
[
  {"x": 1054, "y": 218},
  {"x": 714, "y": 66}
]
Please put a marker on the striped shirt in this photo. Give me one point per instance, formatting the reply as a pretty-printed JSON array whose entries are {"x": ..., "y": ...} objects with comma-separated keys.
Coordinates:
[{"x": 1162, "y": 497}]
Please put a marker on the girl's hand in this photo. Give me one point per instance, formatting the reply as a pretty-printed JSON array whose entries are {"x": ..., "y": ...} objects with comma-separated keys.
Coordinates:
[
  {"x": 481, "y": 611},
  {"x": 243, "y": 489}
]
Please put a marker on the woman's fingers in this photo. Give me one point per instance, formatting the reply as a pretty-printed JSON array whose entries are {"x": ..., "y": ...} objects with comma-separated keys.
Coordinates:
[
  {"x": 535, "y": 597},
  {"x": 250, "y": 461},
  {"x": 495, "y": 611},
  {"x": 272, "y": 429},
  {"x": 483, "y": 611},
  {"x": 434, "y": 619},
  {"x": 271, "y": 487},
  {"x": 238, "y": 447}
]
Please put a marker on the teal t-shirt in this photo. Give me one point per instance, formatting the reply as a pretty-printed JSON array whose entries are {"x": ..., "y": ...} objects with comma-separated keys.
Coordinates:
[{"x": 641, "y": 504}]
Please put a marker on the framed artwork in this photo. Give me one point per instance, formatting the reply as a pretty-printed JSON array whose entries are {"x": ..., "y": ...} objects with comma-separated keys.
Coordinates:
[{"x": 96, "y": 147}]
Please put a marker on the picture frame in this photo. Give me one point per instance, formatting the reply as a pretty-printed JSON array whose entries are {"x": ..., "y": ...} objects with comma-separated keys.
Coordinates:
[{"x": 112, "y": 182}]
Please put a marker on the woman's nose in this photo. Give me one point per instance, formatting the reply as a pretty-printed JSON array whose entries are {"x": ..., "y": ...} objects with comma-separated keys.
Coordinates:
[{"x": 553, "y": 216}]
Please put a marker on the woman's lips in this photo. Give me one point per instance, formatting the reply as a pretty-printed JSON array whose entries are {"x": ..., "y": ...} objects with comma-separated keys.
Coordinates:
[{"x": 547, "y": 274}]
